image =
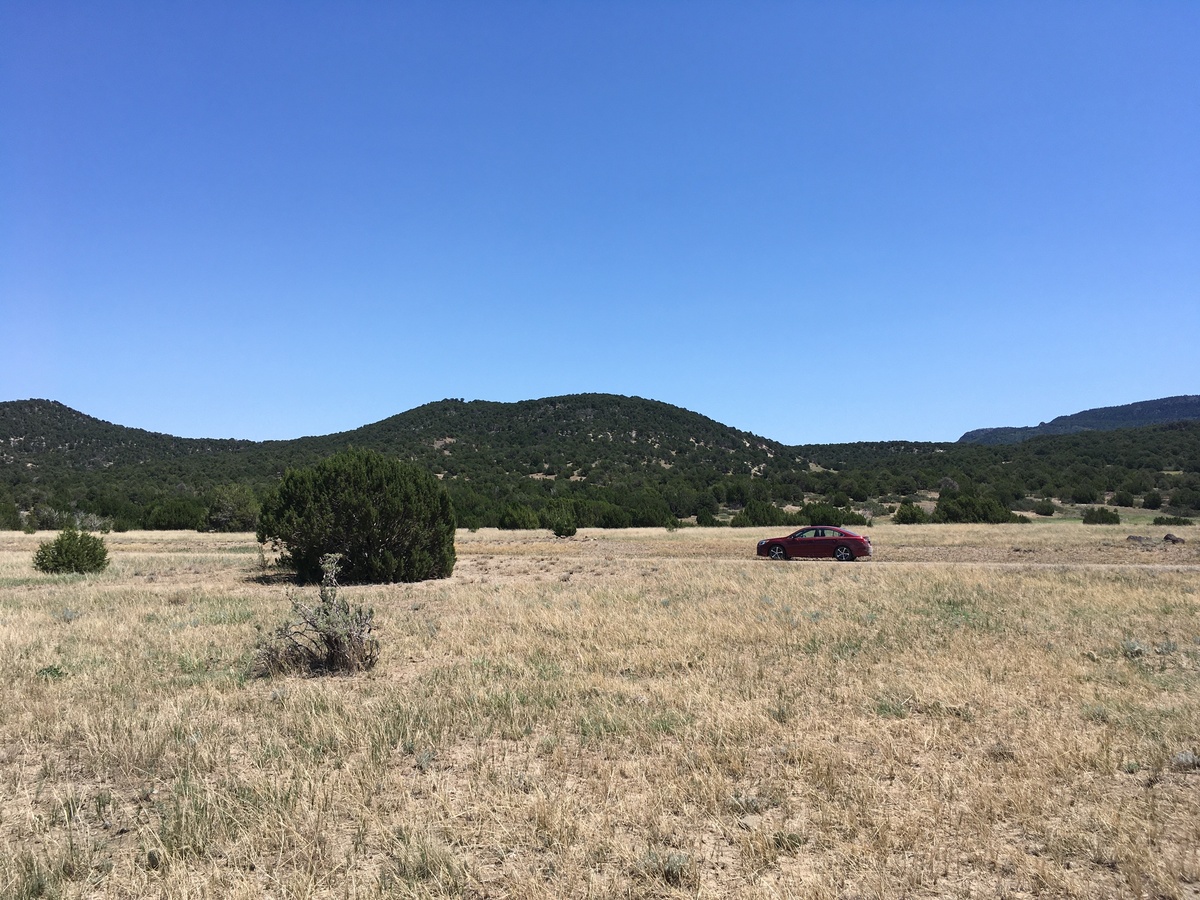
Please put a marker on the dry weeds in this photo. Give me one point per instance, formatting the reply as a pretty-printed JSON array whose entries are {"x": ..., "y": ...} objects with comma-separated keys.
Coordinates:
[{"x": 1001, "y": 711}]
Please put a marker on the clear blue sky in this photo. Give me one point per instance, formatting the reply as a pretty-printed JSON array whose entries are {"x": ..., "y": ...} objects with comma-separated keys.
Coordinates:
[{"x": 816, "y": 221}]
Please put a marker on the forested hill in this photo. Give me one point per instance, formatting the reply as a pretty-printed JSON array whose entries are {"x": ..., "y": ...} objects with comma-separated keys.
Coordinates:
[
  {"x": 606, "y": 450},
  {"x": 1184, "y": 408},
  {"x": 45, "y": 432},
  {"x": 609, "y": 460},
  {"x": 583, "y": 435}
]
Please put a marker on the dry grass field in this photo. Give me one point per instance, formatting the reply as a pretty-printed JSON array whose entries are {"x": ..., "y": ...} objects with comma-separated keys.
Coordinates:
[{"x": 991, "y": 711}]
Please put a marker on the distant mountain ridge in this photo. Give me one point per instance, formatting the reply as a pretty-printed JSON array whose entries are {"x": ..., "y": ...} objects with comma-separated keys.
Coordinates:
[{"x": 1183, "y": 408}]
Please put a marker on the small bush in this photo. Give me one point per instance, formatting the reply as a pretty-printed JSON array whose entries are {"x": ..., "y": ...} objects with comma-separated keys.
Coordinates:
[
  {"x": 757, "y": 513},
  {"x": 1121, "y": 498},
  {"x": 1186, "y": 498},
  {"x": 232, "y": 507},
  {"x": 971, "y": 508},
  {"x": 10, "y": 516},
  {"x": 71, "y": 551},
  {"x": 1044, "y": 507},
  {"x": 1172, "y": 520},
  {"x": 559, "y": 517},
  {"x": 563, "y": 527},
  {"x": 1083, "y": 493},
  {"x": 176, "y": 514},
  {"x": 519, "y": 517},
  {"x": 910, "y": 514},
  {"x": 1100, "y": 515},
  {"x": 330, "y": 637},
  {"x": 673, "y": 867},
  {"x": 1152, "y": 500}
]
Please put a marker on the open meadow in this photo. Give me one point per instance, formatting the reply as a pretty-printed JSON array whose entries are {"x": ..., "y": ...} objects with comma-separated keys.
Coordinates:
[{"x": 979, "y": 711}]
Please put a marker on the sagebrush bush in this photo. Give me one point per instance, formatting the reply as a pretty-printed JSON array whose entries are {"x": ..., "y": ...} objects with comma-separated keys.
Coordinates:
[
  {"x": 329, "y": 637},
  {"x": 71, "y": 551}
]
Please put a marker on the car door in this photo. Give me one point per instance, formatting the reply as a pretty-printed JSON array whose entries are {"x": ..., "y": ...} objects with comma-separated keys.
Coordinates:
[
  {"x": 825, "y": 541},
  {"x": 806, "y": 542}
]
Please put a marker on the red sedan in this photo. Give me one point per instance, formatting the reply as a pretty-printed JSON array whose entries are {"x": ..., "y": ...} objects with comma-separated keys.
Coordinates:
[{"x": 817, "y": 540}]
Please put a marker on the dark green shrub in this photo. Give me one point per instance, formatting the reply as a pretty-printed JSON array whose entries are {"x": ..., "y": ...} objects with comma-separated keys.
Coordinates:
[
  {"x": 563, "y": 527},
  {"x": 705, "y": 518},
  {"x": 759, "y": 513},
  {"x": 10, "y": 516},
  {"x": 1044, "y": 507},
  {"x": 824, "y": 514},
  {"x": 1186, "y": 498},
  {"x": 1083, "y": 493},
  {"x": 910, "y": 514},
  {"x": 519, "y": 517},
  {"x": 559, "y": 517},
  {"x": 1121, "y": 498},
  {"x": 176, "y": 514},
  {"x": 1100, "y": 515},
  {"x": 1152, "y": 500},
  {"x": 232, "y": 507},
  {"x": 613, "y": 516},
  {"x": 972, "y": 508},
  {"x": 1172, "y": 520},
  {"x": 72, "y": 551},
  {"x": 648, "y": 510},
  {"x": 387, "y": 521},
  {"x": 326, "y": 638}
]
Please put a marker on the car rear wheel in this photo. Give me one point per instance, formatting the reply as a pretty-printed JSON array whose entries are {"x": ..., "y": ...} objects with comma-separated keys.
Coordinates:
[
  {"x": 777, "y": 552},
  {"x": 843, "y": 553}
]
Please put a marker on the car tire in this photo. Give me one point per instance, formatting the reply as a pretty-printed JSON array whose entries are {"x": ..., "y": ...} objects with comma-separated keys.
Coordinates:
[
  {"x": 777, "y": 552},
  {"x": 842, "y": 553}
]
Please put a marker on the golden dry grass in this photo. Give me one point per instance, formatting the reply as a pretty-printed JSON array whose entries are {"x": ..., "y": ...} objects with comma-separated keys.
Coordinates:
[{"x": 994, "y": 711}]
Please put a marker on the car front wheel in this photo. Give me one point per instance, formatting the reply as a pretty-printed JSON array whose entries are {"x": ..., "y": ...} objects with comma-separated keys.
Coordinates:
[
  {"x": 843, "y": 554},
  {"x": 777, "y": 552}
]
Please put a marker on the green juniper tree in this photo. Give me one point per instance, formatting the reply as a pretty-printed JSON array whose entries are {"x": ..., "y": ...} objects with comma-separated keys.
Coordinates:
[{"x": 388, "y": 520}]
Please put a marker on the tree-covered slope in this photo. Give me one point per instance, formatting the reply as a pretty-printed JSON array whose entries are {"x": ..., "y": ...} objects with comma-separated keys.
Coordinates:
[
  {"x": 584, "y": 435},
  {"x": 491, "y": 455},
  {"x": 599, "y": 459}
]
